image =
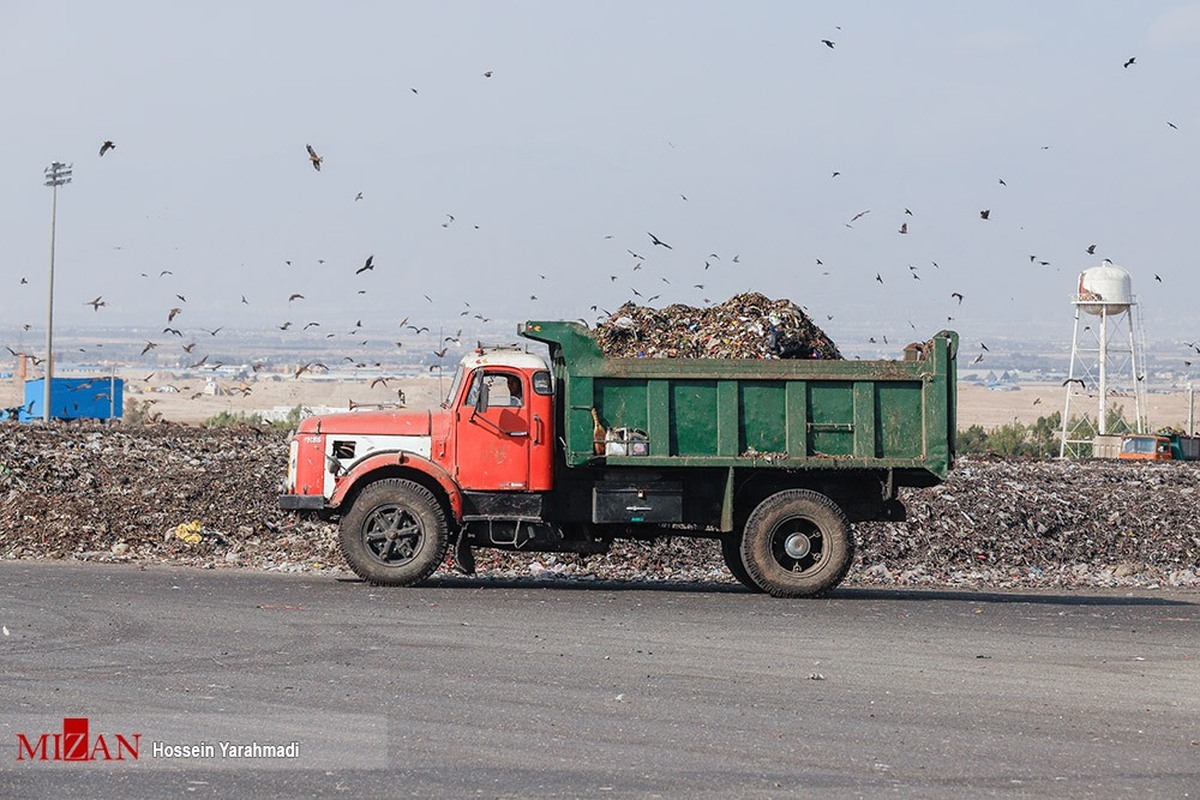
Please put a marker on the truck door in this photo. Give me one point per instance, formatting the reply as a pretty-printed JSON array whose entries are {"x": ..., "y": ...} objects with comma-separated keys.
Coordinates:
[{"x": 493, "y": 435}]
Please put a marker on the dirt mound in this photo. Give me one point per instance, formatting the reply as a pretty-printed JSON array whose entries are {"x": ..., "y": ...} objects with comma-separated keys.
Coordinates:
[{"x": 177, "y": 494}]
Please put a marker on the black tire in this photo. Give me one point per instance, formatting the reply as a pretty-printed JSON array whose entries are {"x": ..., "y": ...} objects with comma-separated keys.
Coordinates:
[
  {"x": 395, "y": 534},
  {"x": 731, "y": 551},
  {"x": 797, "y": 544}
]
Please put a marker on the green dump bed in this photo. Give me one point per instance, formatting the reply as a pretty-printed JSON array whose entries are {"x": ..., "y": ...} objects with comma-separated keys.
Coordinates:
[{"x": 783, "y": 413}]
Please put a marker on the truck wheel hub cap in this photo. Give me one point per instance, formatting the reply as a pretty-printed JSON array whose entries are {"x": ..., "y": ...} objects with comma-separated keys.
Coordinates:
[{"x": 797, "y": 545}]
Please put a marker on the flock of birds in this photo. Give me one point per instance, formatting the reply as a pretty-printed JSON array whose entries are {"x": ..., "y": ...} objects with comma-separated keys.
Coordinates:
[{"x": 316, "y": 161}]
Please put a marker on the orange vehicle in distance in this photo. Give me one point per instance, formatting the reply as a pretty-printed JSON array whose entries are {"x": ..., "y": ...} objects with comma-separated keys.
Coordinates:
[{"x": 1146, "y": 447}]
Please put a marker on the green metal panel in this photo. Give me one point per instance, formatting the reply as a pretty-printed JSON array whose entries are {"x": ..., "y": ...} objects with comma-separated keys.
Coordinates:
[
  {"x": 796, "y": 403},
  {"x": 729, "y": 414},
  {"x": 898, "y": 432},
  {"x": 864, "y": 419},
  {"x": 622, "y": 402},
  {"x": 831, "y": 418},
  {"x": 764, "y": 419},
  {"x": 693, "y": 418},
  {"x": 658, "y": 409}
]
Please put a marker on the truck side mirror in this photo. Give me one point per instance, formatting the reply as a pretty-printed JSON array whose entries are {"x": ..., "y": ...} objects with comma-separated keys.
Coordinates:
[{"x": 481, "y": 402}]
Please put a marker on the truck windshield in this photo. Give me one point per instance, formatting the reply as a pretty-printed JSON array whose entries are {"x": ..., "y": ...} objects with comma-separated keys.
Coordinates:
[
  {"x": 1139, "y": 444},
  {"x": 454, "y": 384}
]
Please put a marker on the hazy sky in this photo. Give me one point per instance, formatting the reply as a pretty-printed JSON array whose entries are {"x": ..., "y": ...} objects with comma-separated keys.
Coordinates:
[{"x": 716, "y": 126}]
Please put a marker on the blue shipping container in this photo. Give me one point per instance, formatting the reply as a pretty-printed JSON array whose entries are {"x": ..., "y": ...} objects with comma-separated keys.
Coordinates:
[{"x": 75, "y": 398}]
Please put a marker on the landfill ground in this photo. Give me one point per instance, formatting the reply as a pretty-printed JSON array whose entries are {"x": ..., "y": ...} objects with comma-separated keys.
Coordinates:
[
  {"x": 529, "y": 689},
  {"x": 177, "y": 494}
]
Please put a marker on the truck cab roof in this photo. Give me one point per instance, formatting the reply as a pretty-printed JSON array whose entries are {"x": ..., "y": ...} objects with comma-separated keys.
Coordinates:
[{"x": 503, "y": 357}]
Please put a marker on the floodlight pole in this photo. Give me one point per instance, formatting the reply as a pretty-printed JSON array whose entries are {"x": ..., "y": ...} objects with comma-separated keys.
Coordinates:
[{"x": 57, "y": 174}]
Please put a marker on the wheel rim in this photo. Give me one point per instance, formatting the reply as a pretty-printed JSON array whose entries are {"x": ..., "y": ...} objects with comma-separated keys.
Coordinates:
[
  {"x": 798, "y": 545},
  {"x": 393, "y": 535}
]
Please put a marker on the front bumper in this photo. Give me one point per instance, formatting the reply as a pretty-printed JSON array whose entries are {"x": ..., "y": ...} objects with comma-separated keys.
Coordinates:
[{"x": 301, "y": 502}]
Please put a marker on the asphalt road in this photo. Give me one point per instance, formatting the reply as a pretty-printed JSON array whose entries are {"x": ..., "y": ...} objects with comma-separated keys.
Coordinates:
[{"x": 530, "y": 689}]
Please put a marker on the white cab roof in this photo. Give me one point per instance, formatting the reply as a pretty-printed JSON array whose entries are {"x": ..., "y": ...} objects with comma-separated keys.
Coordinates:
[{"x": 518, "y": 359}]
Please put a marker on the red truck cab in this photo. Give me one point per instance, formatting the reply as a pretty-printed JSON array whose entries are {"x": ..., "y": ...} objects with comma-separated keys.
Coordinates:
[{"x": 494, "y": 433}]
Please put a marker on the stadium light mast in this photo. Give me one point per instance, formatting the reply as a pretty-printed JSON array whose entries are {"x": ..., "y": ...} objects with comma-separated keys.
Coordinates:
[{"x": 57, "y": 174}]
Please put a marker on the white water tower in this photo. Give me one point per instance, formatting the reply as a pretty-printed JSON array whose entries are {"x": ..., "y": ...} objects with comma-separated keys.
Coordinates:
[{"x": 1107, "y": 358}]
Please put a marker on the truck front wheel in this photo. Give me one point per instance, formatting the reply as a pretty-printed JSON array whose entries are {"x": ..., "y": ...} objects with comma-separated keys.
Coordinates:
[
  {"x": 797, "y": 544},
  {"x": 395, "y": 534}
]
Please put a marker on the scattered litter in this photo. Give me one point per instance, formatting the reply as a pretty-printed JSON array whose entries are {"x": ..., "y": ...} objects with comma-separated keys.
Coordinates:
[{"x": 109, "y": 493}]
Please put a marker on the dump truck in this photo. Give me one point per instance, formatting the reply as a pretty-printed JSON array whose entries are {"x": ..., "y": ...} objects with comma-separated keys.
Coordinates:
[
  {"x": 1162, "y": 446},
  {"x": 775, "y": 458}
]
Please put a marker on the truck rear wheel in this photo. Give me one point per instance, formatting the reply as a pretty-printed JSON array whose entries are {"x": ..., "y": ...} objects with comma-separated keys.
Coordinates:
[
  {"x": 797, "y": 544},
  {"x": 731, "y": 550},
  {"x": 395, "y": 534}
]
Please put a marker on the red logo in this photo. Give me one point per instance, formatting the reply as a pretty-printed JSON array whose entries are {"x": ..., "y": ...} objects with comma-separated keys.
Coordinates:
[{"x": 75, "y": 743}]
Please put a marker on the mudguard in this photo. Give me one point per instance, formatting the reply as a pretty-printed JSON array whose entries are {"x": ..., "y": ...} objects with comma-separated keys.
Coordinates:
[{"x": 363, "y": 470}]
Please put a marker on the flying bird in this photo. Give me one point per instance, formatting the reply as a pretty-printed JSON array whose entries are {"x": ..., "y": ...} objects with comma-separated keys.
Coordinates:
[
  {"x": 487, "y": 74},
  {"x": 313, "y": 157},
  {"x": 149, "y": 346},
  {"x": 1129, "y": 63},
  {"x": 1158, "y": 278},
  {"x": 1172, "y": 125},
  {"x": 174, "y": 312},
  {"x": 296, "y": 296},
  {"x": 985, "y": 213},
  {"x": 95, "y": 304},
  {"x": 904, "y": 227},
  {"x": 878, "y": 277},
  {"x": 654, "y": 239},
  {"x": 957, "y": 295},
  {"x": 1091, "y": 249},
  {"x": 368, "y": 264},
  {"x": 108, "y": 145},
  {"x": 358, "y": 197},
  {"x": 827, "y": 43},
  {"x": 1082, "y": 385}
]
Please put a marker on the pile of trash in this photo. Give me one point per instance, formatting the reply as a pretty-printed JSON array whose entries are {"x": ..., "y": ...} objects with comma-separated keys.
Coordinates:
[
  {"x": 208, "y": 498},
  {"x": 747, "y": 325}
]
